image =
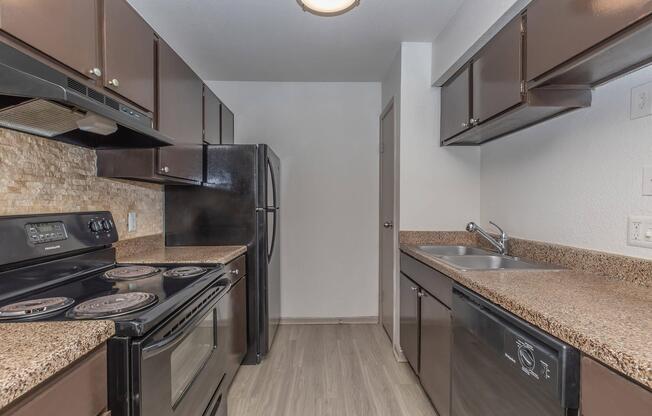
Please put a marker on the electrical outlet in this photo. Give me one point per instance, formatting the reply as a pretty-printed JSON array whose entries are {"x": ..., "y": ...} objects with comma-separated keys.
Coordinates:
[
  {"x": 647, "y": 181},
  {"x": 640, "y": 231},
  {"x": 131, "y": 222},
  {"x": 641, "y": 101}
]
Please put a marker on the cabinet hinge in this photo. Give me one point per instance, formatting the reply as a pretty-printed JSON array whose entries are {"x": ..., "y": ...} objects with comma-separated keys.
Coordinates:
[{"x": 522, "y": 87}]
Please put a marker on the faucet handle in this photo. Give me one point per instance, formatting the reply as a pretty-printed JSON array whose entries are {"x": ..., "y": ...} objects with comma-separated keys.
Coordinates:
[{"x": 503, "y": 234}]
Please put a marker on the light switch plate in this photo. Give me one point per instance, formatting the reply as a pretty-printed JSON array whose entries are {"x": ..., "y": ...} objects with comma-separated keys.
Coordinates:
[
  {"x": 647, "y": 180},
  {"x": 640, "y": 231},
  {"x": 641, "y": 101},
  {"x": 131, "y": 222}
]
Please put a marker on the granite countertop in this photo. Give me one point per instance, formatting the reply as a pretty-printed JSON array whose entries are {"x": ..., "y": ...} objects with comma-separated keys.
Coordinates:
[
  {"x": 607, "y": 319},
  {"x": 219, "y": 254},
  {"x": 33, "y": 352},
  {"x": 152, "y": 249}
]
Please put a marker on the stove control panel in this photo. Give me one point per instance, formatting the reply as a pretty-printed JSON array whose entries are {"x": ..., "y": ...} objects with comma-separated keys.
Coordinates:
[
  {"x": 31, "y": 237},
  {"x": 46, "y": 232}
]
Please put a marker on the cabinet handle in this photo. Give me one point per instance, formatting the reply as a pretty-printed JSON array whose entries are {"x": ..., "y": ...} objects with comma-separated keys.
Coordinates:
[
  {"x": 474, "y": 121},
  {"x": 165, "y": 169},
  {"x": 96, "y": 72},
  {"x": 114, "y": 82},
  {"x": 414, "y": 289},
  {"x": 465, "y": 125},
  {"x": 235, "y": 272}
]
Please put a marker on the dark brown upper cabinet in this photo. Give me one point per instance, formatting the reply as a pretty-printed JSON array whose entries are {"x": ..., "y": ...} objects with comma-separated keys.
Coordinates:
[
  {"x": 500, "y": 101},
  {"x": 212, "y": 109},
  {"x": 129, "y": 59},
  {"x": 497, "y": 74},
  {"x": 179, "y": 98},
  {"x": 586, "y": 42},
  {"x": 228, "y": 125},
  {"x": 456, "y": 104},
  {"x": 605, "y": 393},
  {"x": 66, "y": 30},
  {"x": 180, "y": 116}
]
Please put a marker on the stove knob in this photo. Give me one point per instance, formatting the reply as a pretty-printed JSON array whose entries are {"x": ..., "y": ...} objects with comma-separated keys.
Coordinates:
[
  {"x": 95, "y": 226},
  {"x": 106, "y": 225}
]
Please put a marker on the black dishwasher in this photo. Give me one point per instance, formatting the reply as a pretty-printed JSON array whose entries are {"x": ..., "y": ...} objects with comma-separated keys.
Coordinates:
[{"x": 503, "y": 366}]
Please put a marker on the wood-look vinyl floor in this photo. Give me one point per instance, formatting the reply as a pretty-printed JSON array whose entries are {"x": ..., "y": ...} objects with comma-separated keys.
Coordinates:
[{"x": 329, "y": 370}]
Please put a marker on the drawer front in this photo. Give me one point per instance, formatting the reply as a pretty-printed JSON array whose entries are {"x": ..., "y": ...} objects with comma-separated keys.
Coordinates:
[
  {"x": 437, "y": 284},
  {"x": 79, "y": 391}
]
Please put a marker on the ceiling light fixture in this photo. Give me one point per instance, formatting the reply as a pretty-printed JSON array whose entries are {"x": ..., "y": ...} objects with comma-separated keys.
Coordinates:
[{"x": 328, "y": 7}]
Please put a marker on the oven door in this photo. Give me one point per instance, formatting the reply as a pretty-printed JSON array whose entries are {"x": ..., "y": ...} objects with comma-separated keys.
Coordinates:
[{"x": 178, "y": 374}]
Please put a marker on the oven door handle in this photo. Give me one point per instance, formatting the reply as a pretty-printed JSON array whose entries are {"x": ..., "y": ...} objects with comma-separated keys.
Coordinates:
[{"x": 177, "y": 336}]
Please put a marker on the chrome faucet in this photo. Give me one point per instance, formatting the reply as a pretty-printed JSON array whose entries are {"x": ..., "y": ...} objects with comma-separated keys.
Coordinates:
[{"x": 501, "y": 244}]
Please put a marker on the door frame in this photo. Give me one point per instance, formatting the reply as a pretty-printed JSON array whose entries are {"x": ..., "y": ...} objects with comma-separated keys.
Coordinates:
[{"x": 392, "y": 104}]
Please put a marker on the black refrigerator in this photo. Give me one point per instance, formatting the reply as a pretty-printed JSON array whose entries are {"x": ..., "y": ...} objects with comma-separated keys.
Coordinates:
[{"x": 238, "y": 204}]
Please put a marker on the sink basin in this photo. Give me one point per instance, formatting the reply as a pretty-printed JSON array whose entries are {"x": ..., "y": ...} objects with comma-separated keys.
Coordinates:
[
  {"x": 453, "y": 250},
  {"x": 491, "y": 263}
]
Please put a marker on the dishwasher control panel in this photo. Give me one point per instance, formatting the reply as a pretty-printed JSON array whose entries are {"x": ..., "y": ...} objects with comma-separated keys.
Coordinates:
[{"x": 534, "y": 360}]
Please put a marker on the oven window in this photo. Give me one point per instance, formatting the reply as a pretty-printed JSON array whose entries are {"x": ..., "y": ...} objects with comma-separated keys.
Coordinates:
[{"x": 189, "y": 356}]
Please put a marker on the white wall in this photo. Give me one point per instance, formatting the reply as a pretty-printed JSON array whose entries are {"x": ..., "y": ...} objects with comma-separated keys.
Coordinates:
[
  {"x": 439, "y": 187},
  {"x": 474, "y": 23},
  {"x": 575, "y": 179},
  {"x": 327, "y": 136}
]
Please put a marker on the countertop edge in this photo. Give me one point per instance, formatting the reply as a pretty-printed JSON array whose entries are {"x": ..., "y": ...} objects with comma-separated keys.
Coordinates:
[{"x": 15, "y": 384}]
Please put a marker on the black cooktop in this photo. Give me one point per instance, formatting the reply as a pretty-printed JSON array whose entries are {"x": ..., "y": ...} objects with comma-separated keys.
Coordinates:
[{"x": 171, "y": 285}]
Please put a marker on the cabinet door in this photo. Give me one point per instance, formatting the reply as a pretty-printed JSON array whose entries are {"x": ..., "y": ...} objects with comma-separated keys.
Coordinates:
[
  {"x": 605, "y": 393},
  {"x": 180, "y": 98},
  {"x": 228, "y": 126},
  {"x": 409, "y": 324},
  {"x": 212, "y": 110},
  {"x": 456, "y": 104},
  {"x": 497, "y": 73},
  {"x": 183, "y": 161},
  {"x": 558, "y": 30},
  {"x": 435, "y": 358},
  {"x": 128, "y": 54},
  {"x": 66, "y": 30}
]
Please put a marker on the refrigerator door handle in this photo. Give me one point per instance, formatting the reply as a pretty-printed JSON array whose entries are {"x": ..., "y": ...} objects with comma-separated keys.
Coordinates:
[{"x": 273, "y": 246}]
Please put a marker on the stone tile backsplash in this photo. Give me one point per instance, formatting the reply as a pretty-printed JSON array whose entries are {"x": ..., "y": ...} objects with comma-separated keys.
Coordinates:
[{"x": 42, "y": 176}]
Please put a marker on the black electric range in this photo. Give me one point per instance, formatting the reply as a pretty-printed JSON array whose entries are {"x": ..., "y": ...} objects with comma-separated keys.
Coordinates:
[{"x": 164, "y": 357}]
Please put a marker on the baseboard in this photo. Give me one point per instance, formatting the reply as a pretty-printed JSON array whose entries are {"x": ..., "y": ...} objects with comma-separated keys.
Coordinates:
[{"x": 330, "y": 321}]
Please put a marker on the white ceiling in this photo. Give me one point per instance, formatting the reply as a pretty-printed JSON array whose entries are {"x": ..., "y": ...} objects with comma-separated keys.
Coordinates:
[{"x": 274, "y": 40}]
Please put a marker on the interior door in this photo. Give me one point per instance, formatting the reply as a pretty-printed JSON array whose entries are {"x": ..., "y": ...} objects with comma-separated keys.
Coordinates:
[
  {"x": 128, "y": 54},
  {"x": 410, "y": 321},
  {"x": 66, "y": 30},
  {"x": 387, "y": 233}
]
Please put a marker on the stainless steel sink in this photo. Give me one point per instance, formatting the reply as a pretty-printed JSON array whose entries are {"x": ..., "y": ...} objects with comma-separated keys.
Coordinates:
[
  {"x": 491, "y": 262},
  {"x": 453, "y": 250}
]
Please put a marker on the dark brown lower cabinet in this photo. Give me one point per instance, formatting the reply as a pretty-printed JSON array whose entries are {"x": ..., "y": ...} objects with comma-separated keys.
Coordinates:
[
  {"x": 410, "y": 321},
  {"x": 435, "y": 357},
  {"x": 80, "y": 390},
  {"x": 605, "y": 393},
  {"x": 236, "y": 318}
]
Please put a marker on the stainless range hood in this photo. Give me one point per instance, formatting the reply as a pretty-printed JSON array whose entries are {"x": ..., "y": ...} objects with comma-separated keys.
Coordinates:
[{"x": 37, "y": 99}]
